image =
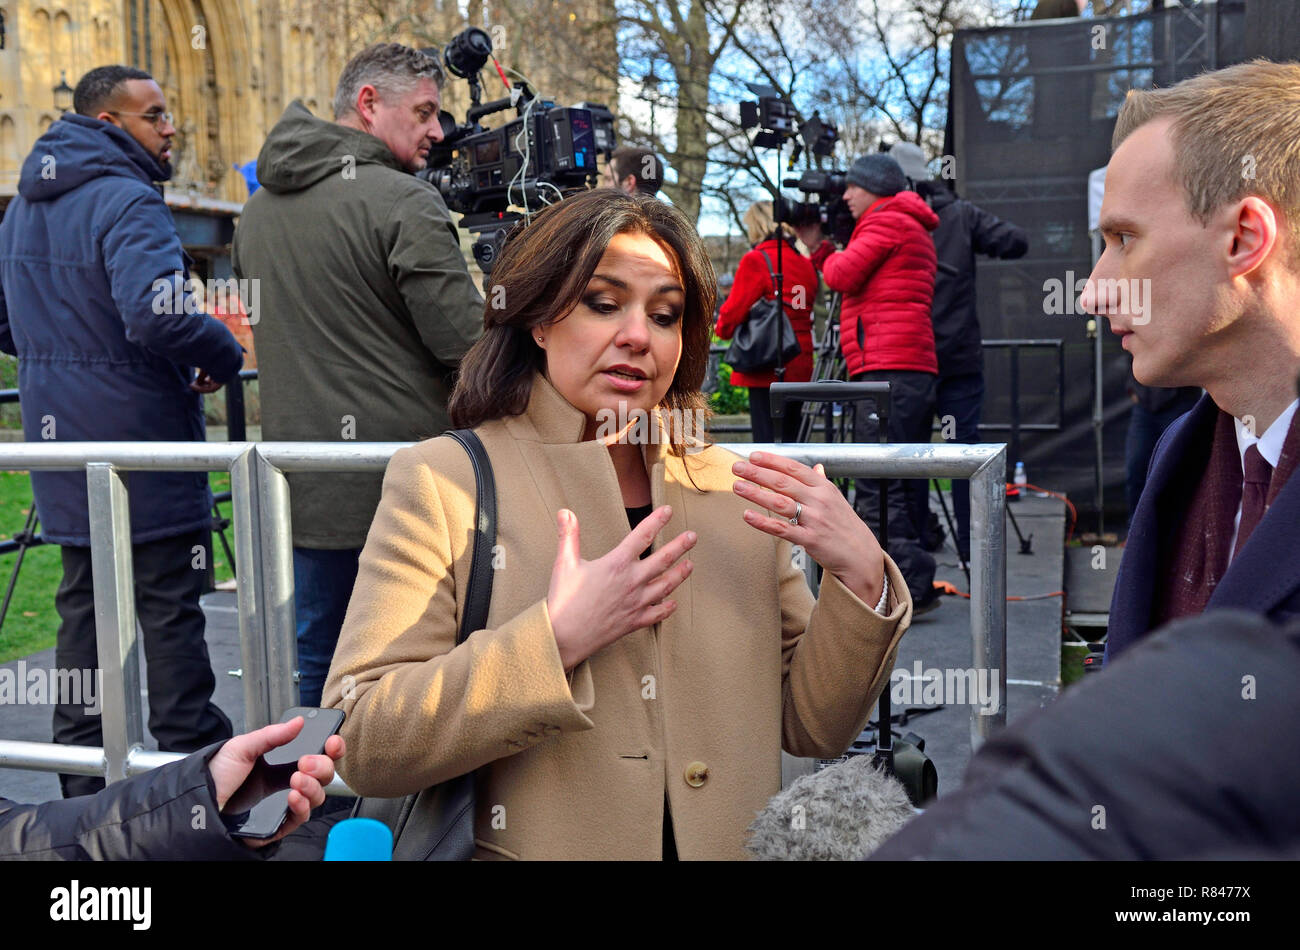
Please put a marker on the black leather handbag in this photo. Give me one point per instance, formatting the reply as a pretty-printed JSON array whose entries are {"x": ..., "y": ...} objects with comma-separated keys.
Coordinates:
[
  {"x": 766, "y": 340},
  {"x": 437, "y": 824}
]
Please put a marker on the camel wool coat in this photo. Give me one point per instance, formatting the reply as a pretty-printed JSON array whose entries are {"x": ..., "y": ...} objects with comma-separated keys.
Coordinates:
[{"x": 694, "y": 711}]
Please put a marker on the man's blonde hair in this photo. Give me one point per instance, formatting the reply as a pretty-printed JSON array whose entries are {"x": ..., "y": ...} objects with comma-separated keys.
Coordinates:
[{"x": 1236, "y": 132}]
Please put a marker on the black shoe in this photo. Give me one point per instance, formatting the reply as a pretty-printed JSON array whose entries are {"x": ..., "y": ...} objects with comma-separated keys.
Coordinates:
[{"x": 925, "y": 606}]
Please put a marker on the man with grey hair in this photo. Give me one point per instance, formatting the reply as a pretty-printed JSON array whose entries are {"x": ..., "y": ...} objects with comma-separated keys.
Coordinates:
[{"x": 367, "y": 307}]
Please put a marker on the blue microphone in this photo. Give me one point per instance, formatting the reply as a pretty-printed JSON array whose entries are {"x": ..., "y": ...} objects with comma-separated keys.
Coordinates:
[{"x": 359, "y": 839}]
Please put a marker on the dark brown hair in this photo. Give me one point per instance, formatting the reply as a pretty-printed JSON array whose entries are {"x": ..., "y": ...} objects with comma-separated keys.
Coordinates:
[
  {"x": 538, "y": 280},
  {"x": 642, "y": 164}
]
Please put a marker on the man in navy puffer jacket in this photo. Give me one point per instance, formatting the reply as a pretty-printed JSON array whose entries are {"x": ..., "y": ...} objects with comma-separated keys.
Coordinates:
[{"x": 92, "y": 303}]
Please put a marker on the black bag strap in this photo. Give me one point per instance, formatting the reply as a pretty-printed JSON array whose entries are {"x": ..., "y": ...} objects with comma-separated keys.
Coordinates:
[
  {"x": 770, "y": 273},
  {"x": 478, "y": 593}
]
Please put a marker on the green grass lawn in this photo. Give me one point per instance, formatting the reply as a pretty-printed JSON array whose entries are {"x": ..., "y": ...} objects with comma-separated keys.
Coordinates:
[
  {"x": 1072, "y": 657},
  {"x": 32, "y": 622}
]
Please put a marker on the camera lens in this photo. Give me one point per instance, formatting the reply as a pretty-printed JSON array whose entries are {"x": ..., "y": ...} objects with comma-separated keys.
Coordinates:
[
  {"x": 312, "y": 714},
  {"x": 468, "y": 52}
]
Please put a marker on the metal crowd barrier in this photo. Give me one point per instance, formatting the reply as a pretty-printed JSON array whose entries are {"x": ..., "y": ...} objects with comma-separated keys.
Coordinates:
[{"x": 264, "y": 545}]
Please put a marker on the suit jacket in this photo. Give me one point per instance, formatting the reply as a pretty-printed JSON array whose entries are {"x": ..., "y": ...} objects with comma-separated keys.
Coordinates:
[
  {"x": 1263, "y": 578},
  {"x": 696, "y": 709}
]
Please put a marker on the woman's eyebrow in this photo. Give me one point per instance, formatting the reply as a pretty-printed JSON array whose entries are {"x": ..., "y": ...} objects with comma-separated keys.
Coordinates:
[{"x": 622, "y": 285}]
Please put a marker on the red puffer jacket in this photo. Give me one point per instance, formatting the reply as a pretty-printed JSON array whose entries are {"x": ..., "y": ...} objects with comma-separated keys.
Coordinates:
[
  {"x": 799, "y": 287},
  {"x": 886, "y": 274}
]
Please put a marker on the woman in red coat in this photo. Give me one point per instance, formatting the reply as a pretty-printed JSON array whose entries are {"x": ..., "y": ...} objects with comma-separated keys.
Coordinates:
[{"x": 798, "y": 290}]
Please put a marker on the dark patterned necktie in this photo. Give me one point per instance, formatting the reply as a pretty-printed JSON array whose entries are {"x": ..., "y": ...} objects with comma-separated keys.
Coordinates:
[{"x": 1254, "y": 495}]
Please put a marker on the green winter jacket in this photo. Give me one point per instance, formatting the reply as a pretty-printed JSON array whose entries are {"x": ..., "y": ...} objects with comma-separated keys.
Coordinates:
[{"x": 365, "y": 308}]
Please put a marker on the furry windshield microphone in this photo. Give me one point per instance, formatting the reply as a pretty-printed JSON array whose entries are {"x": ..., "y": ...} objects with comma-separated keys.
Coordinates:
[{"x": 842, "y": 813}]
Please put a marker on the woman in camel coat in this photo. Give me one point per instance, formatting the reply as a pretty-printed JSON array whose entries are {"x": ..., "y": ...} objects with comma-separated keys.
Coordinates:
[{"x": 625, "y": 700}]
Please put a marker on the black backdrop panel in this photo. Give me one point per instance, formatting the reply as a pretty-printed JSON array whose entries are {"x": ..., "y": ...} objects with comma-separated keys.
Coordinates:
[{"x": 1033, "y": 107}]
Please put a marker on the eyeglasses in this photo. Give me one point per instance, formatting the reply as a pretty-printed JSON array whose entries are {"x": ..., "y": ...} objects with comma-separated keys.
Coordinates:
[{"x": 155, "y": 118}]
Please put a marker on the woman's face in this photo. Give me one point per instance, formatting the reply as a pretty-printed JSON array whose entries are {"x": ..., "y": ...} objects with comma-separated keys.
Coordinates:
[{"x": 618, "y": 349}]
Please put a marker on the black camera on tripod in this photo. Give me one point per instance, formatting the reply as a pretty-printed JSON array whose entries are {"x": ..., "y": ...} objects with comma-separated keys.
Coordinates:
[
  {"x": 824, "y": 204},
  {"x": 543, "y": 155},
  {"x": 776, "y": 121}
]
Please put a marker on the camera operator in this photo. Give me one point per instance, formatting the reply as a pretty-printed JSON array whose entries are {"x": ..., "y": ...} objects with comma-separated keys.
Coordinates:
[
  {"x": 886, "y": 276},
  {"x": 964, "y": 230},
  {"x": 368, "y": 307}
]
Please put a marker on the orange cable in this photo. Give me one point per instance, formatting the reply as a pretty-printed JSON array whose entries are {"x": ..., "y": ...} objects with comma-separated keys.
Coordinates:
[{"x": 946, "y": 587}]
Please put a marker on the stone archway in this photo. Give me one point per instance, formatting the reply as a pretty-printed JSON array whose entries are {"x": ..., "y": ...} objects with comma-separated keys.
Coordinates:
[{"x": 207, "y": 49}]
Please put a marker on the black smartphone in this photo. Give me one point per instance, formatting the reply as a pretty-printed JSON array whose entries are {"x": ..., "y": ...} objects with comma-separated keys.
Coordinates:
[{"x": 259, "y": 807}]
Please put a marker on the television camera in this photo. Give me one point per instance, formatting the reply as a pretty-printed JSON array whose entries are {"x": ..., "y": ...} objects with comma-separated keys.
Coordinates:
[{"x": 544, "y": 154}]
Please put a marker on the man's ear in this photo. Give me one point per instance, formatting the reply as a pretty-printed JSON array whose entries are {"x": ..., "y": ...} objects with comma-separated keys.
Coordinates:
[
  {"x": 629, "y": 184},
  {"x": 1254, "y": 235},
  {"x": 367, "y": 99}
]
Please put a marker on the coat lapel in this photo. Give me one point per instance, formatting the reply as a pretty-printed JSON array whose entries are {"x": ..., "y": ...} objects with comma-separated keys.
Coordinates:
[
  {"x": 568, "y": 472},
  {"x": 1139, "y": 574},
  {"x": 1267, "y": 570}
]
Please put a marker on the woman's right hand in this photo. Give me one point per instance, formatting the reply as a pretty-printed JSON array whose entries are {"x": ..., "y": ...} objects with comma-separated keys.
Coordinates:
[{"x": 593, "y": 603}]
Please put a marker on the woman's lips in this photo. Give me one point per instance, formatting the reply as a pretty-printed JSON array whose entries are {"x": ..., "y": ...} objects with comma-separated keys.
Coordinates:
[{"x": 624, "y": 384}]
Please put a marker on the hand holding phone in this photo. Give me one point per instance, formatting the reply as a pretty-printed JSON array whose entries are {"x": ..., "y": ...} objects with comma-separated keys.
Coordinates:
[{"x": 262, "y": 779}]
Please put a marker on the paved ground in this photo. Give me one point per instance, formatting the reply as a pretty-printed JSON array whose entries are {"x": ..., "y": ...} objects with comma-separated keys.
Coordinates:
[
  {"x": 32, "y": 723},
  {"x": 938, "y": 640},
  {"x": 942, "y": 639}
]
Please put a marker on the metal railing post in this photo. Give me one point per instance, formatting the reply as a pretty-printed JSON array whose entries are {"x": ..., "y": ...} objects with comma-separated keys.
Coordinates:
[
  {"x": 988, "y": 603},
  {"x": 244, "y": 499},
  {"x": 261, "y": 515},
  {"x": 115, "y": 632},
  {"x": 276, "y": 568}
]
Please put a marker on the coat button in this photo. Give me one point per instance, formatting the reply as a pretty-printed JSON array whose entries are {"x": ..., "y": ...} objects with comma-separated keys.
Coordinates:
[{"x": 697, "y": 773}]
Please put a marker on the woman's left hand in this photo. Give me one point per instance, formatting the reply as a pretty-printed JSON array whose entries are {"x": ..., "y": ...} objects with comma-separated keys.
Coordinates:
[{"x": 813, "y": 514}]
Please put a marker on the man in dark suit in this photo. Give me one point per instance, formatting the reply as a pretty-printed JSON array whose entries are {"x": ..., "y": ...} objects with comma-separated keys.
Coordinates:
[{"x": 1200, "y": 278}]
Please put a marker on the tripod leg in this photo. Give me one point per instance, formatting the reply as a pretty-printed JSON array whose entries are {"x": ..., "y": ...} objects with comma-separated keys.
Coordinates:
[
  {"x": 23, "y": 544},
  {"x": 952, "y": 530},
  {"x": 1026, "y": 546},
  {"x": 884, "y": 758}
]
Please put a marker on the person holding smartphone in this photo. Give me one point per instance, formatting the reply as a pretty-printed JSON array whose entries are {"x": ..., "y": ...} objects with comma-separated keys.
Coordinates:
[{"x": 172, "y": 813}]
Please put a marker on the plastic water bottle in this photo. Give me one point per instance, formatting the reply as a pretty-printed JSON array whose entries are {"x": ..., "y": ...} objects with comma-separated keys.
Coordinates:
[{"x": 1020, "y": 478}]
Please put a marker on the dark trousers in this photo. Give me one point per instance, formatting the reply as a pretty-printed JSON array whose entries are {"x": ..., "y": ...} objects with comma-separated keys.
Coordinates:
[
  {"x": 322, "y": 586},
  {"x": 761, "y": 423},
  {"x": 960, "y": 400},
  {"x": 180, "y": 682},
  {"x": 913, "y": 396}
]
